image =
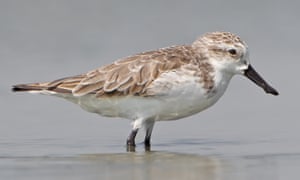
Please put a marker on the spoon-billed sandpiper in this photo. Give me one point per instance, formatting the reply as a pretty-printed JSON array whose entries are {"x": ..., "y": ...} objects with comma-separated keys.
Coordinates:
[{"x": 165, "y": 84}]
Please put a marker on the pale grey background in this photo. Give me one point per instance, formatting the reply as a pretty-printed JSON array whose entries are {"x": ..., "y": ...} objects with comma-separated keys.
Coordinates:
[{"x": 46, "y": 40}]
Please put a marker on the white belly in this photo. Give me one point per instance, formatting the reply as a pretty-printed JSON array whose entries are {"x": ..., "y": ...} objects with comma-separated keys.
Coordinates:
[
  {"x": 174, "y": 101},
  {"x": 184, "y": 102}
]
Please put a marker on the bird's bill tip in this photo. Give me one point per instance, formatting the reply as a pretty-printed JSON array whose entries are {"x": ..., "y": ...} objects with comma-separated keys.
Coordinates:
[{"x": 258, "y": 80}]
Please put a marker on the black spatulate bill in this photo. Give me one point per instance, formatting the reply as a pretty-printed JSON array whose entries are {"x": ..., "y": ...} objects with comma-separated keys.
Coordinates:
[{"x": 257, "y": 79}]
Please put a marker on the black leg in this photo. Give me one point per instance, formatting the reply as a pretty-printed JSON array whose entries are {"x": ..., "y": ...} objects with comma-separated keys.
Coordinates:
[
  {"x": 148, "y": 134},
  {"x": 147, "y": 144},
  {"x": 147, "y": 140},
  {"x": 131, "y": 138}
]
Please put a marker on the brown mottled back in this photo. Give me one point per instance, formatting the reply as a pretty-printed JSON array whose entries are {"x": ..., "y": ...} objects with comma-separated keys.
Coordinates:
[{"x": 128, "y": 76}]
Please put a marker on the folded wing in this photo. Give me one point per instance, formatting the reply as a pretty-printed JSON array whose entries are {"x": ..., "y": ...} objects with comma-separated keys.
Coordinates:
[{"x": 128, "y": 76}]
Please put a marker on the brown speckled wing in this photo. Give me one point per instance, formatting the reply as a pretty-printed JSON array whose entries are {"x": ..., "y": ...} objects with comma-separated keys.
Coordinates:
[{"x": 131, "y": 75}]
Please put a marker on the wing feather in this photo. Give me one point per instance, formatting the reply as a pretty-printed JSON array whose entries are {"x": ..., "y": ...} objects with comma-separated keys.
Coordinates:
[{"x": 127, "y": 76}]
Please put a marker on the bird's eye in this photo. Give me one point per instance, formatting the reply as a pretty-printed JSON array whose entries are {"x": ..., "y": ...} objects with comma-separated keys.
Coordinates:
[{"x": 232, "y": 51}]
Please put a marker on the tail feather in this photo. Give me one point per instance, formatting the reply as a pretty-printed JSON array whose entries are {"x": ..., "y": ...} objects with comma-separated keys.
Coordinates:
[
  {"x": 64, "y": 85},
  {"x": 28, "y": 87}
]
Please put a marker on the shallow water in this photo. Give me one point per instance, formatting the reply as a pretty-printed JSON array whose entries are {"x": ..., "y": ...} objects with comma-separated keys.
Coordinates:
[
  {"x": 151, "y": 165},
  {"x": 181, "y": 159}
]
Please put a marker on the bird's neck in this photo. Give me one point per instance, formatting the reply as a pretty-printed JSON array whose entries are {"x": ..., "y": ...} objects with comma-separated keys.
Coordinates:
[{"x": 221, "y": 81}]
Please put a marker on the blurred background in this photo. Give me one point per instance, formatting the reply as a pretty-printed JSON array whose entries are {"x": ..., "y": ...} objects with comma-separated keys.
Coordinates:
[{"x": 47, "y": 40}]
